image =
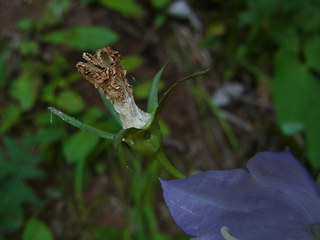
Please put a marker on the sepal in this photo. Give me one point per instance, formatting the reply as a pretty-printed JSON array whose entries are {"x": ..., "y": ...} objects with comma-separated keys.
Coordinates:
[{"x": 147, "y": 141}]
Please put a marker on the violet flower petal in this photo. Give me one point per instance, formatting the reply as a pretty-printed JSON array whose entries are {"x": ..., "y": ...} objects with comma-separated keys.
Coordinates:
[
  {"x": 203, "y": 203},
  {"x": 282, "y": 171}
]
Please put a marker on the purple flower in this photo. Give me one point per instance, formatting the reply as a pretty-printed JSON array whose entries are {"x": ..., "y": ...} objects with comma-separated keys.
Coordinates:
[{"x": 275, "y": 199}]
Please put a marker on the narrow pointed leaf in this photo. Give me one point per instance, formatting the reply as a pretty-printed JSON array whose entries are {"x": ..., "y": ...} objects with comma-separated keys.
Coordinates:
[
  {"x": 110, "y": 107},
  {"x": 81, "y": 125},
  {"x": 153, "y": 92},
  {"x": 168, "y": 92}
]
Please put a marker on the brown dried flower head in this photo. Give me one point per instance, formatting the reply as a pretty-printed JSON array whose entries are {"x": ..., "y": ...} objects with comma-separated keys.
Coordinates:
[{"x": 105, "y": 71}]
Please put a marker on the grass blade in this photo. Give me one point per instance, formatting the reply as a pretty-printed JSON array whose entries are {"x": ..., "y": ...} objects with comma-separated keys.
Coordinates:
[
  {"x": 81, "y": 125},
  {"x": 153, "y": 92}
]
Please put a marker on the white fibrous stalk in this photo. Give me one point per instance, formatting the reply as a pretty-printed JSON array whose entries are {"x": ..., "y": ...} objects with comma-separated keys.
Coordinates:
[
  {"x": 130, "y": 114},
  {"x": 105, "y": 71}
]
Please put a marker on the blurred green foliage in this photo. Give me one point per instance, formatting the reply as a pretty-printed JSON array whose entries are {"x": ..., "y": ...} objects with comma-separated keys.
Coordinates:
[
  {"x": 129, "y": 8},
  {"x": 286, "y": 34},
  {"x": 131, "y": 62},
  {"x": 276, "y": 42},
  {"x": 82, "y": 38},
  {"x": 3, "y": 72},
  {"x": 17, "y": 166},
  {"x": 36, "y": 230}
]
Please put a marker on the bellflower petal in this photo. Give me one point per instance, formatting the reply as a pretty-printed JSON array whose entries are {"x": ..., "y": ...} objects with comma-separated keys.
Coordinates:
[
  {"x": 281, "y": 171},
  {"x": 250, "y": 203}
]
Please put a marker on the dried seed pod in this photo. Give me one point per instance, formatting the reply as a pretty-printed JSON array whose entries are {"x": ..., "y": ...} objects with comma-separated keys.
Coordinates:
[{"x": 104, "y": 70}]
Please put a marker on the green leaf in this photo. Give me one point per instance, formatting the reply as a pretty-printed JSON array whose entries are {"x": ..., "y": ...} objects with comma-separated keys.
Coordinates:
[
  {"x": 165, "y": 128},
  {"x": 29, "y": 48},
  {"x": 70, "y": 102},
  {"x": 11, "y": 216},
  {"x": 22, "y": 159},
  {"x": 128, "y": 8},
  {"x": 24, "y": 90},
  {"x": 16, "y": 193},
  {"x": 82, "y": 38},
  {"x": 313, "y": 134},
  {"x": 142, "y": 88},
  {"x": 16, "y": 167},
  {"x": 92, "y": 114},
  {"x": 312, "y": 53},
  {"x": 53, "y": 14},
  {"x": 131, "y": 62},
  {"x": 88, "y": 1},
  {"x": 295, "y": 91},
  {"x": 26, "y": 25},
  {"x": 215, "y": 29},
  {"x": 247, "y": 17},
  {"x": 160, "y": 3},
  {"x": 159, "y": 20},
  {"x": 52, "y": 135},
  {"x": 168, "y": 92},
  {"x": 106, "y": 233},
  {"x": 78, "y": 147},
  {"x": 79, "y": 178},
  {"x": 36, "y": 230},
  {"x": 81, "y": 125},
  {"x": 286, "y": 38},
  {"x": 153, "y": 92},
  {"x": 110, "y": 107},
  {"x": 9, "y": 117},
  {"x": 3, "y": 69}
]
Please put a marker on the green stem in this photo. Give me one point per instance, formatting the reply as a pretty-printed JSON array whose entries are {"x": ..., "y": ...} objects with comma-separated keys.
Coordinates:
[
  {"x": 78, "y": 185},
  {"x": 216, "y": 111},
  {"x": 161, "y": 157}
]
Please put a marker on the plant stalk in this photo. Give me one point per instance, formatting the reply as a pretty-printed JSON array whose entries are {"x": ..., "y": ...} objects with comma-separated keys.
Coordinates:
[{"x": 161, "y": 157}]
